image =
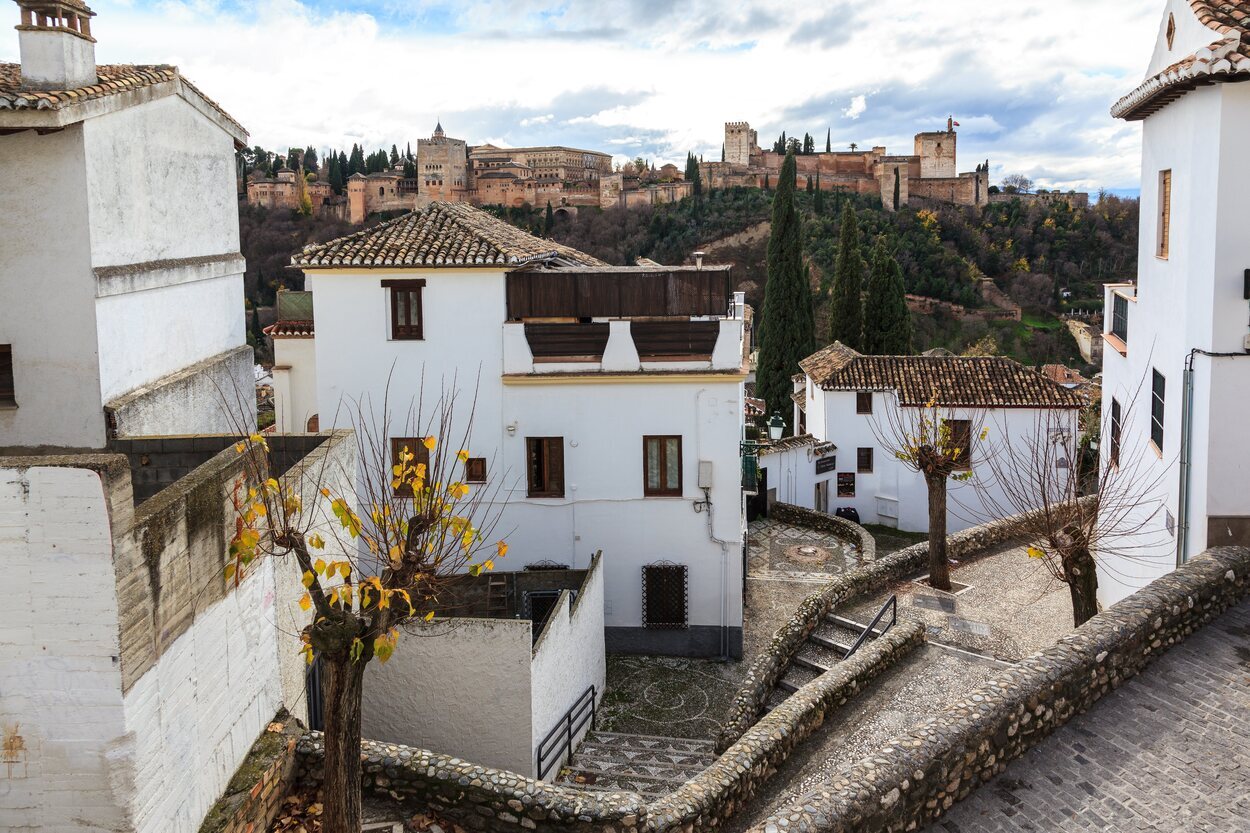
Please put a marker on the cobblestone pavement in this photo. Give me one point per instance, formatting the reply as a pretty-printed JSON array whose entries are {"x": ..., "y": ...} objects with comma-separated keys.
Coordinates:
[
  {"x": 780, "y": 552},
  {"x": 1167, "y": 752}
]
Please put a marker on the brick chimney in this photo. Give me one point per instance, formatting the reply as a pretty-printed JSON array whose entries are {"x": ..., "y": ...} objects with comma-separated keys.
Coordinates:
[{"x": 58, "y": 52}]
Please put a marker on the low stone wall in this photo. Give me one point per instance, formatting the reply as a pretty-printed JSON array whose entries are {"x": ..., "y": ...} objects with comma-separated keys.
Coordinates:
[
  {"x": 255, "y": 793},
  {"x": 849, "y": 531},
  {"x": 913, "y": 780},
  {"x": 496, "y": 800},
  {"x": 868, "y": 577}
]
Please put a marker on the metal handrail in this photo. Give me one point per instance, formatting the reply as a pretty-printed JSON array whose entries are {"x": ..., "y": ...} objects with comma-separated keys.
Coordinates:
[
  {"x": 579, "y": 714},
  {"x": 891, "y": 604}
]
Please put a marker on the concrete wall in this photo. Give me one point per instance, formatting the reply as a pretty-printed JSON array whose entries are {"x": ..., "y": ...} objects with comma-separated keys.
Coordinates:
[
  {"x": 568, "y": 658},
  {"x": 214, "y": 396},
  {"x": 894, "y": 495},
  {"x": 47, "y": 292},
  {"x": 457, "y": 686}
]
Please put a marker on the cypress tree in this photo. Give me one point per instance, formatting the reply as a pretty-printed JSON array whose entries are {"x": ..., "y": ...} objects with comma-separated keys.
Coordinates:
[
  {"x": 310, "y": 160},
  {"x": 697, "y": 180},
  {"x": 787, "y": 324},
  {"x": 809, "y": 184},
  {"x": 550, "y": 220},
  {"x": 394, "y": 156},
  {"x": 766, "y": 185},
  {"x": 887, "y": 320},
  {"x": 847, "y": 314},
  {"x": 896, "y": 188},
  {"x": 818, "y": 202},
  {"x": 829, "y": 140}
]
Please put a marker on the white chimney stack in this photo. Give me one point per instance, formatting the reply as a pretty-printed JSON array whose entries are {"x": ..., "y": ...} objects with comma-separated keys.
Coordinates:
[{"x": 58, "y": 52}]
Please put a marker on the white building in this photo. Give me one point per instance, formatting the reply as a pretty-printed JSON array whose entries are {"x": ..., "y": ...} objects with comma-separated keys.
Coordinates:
[
  {"x": 608, "y": 401},
  {"x": 294, "y": 363},
  {"x": 848, "y": 403},
  {"x": 1176, "y": 368},
  {"x": 120, "y": 272}
]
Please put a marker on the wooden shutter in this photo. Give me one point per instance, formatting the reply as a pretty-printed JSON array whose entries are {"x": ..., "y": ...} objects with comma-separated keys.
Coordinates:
[
  {"x": 475, "y": 470},
  {"x": 961, "y": 438},
  {"x": 863, "y": 460},
  {"x": 544, "y": 466},
  {"x": 8, "y": 391},
  {"x": 1165, "y": 213}
]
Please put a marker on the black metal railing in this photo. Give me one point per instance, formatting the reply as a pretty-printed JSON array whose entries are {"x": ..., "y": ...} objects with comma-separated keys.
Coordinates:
[
  {"x": 891, "y": 604},
  {"x": 559, "y": 741}
]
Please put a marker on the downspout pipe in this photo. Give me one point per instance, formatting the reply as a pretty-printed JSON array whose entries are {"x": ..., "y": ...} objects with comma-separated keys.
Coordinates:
[{"x": 1187, "y": 435}]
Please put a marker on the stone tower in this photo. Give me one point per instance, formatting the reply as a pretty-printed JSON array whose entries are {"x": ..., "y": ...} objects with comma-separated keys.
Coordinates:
[
  {"x": 937, "y": 152},
  {"x": 740, "y": 141}
]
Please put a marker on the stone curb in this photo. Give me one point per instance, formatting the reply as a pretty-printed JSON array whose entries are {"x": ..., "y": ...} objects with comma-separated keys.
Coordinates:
[
  {"x": 769, "y": 667},
  {"x": 913, "y": 780}
]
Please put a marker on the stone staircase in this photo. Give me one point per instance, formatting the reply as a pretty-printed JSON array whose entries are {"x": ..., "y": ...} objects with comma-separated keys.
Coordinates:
[
  {"x": 827, "y": 645},
  {"x": 646, "y": 764}
]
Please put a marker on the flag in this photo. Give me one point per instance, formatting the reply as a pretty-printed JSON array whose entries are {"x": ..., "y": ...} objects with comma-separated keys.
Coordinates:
[{"x": 957, "y": 124}]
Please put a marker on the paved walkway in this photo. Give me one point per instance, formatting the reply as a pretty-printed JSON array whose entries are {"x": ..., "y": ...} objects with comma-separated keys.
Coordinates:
[{"x": 1167, "y": 752}]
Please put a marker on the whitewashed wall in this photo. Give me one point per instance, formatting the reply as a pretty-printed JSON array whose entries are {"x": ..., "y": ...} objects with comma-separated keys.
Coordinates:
[
  {"x": 891, "y": 486},
  {"x": 294, "y": 383},
  {"x": 60, "y": 683},
  {"x": 568, "y": 660},
  {"x": 457, "y": 686},
  {"x": 792, "y": 476}
]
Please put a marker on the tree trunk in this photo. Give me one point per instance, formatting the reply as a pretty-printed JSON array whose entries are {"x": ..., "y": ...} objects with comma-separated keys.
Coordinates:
[
  {"x": 939, "y": 568},
  {"x": 341, "y": 688},
  {"x": 1082, "y": 575}
]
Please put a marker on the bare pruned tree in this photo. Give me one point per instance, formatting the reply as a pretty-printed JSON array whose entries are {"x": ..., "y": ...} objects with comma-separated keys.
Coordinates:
[
  {"x": 1069, "y": 519},
  {"x": 939, "y": 443},
  {"x": 375, "y": 550}
]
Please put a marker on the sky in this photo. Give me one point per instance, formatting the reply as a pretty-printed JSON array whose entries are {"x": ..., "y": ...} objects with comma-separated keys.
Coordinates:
[{"x": 1029, "y": 81}]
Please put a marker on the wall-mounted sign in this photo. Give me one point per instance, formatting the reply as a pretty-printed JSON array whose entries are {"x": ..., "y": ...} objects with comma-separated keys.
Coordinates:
[
  {"x": 846, "y": 484},
  {"x": 824, "y": 465}
]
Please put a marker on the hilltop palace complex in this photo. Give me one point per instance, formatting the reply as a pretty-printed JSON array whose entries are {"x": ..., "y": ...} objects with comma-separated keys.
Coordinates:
[{"x": 451, "y": 170}]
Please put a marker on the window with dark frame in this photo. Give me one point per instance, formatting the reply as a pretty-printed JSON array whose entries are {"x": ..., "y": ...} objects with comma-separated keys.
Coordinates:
[
  {"x": 863, "y": 460},
  {"x": 416, "y": 447},
  {"x": 475, "y": 470},
  {"x": 1158, "y": 387},
  {"x": 863, "y": 402},
  {"x": 545, "y": 466},
  {"x": 407, "y": 314},
  {"x": 1119, "y": 317},
  {"x": 1114, "y": 455},
  {"x": 8, "y": 391},
  {"x": 661, "y": 466},
  {"x": 664, "y": 596},
  {"x": 961, "y": 438}
]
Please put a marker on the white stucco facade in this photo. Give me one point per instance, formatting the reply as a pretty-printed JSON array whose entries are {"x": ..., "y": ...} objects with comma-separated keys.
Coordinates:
[
  {"x": 1189, "y": 300},
  {"x": 890, "y": 493},
  {"x": 602, "y": 410},
  {"x": 120, "y": 267},
  {"x": 294, "y": 382}
]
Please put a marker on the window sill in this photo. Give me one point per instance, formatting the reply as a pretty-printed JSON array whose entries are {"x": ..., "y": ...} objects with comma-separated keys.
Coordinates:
[
  {"x": 1115, "y": 343},
  {"x": 1158, "y": 451},
  {"x": 544, "y": 497},
  {"x": 674, "y": 496}
]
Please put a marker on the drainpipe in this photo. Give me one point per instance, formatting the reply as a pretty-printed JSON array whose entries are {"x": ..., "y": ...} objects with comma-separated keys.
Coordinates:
[{"x": 1187, "y": 406}]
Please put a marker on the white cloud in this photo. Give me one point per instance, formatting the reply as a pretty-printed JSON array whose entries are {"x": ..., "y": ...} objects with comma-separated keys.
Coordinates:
[{"x": 1040, "y": 73}]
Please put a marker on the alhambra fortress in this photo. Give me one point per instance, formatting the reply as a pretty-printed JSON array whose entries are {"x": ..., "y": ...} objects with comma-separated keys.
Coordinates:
[{"x": 451, "y": 170}]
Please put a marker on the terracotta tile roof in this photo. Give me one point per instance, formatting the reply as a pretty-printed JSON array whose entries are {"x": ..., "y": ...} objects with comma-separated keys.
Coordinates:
[
  {"x": 295, "y": 315},
  {"x": 1225, "y": 59},
  {"x": 441, "y": 234},
  {"x": 800, "y": 399},
  {"x": 112, "y": 79},
  {"x": 801, "y": 441},
  {"x": 1062, "y": 374},
  {"x": 754, "y": 407},
  {"x": 954, "y": 381}
]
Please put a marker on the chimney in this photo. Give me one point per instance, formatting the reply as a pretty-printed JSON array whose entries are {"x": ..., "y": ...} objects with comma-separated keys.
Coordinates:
[{"x": 58, "y": 52}]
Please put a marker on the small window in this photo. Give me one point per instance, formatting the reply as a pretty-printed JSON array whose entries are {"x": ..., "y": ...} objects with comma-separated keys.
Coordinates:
[
  {"x": 545, "y": 466},
  {"x": 1114, "y": 455},
  {"x": 1157, "y": 389},
  {"x": 1165, "y": 214},
  {"x": 863, "y": 460},
  {"x": 406, "y": 310},
  {"x": 661, "y": 466},
  {"x": 381, "y": 191},
  {"x": 1171, "y": 33},
  {"x": 8, "y": 393},
  {"x": 475, "y": 470},
  {"x": 1119, "y": 317},
  {"x": 961, "y": 441},
  {"x": 863, "y": 402},
  {"x": 664, "y": 596},
  {"x": 415, "y": 446}
]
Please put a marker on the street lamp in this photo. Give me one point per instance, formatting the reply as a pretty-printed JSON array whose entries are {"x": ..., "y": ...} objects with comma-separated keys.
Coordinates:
[{"x": 776, "y": 426}]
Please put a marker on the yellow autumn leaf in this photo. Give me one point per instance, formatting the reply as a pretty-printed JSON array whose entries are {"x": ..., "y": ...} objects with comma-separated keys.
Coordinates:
[
  {"x": 325, "y": 492},
  {"x": 305, "y": 602},
  {"x": 1034, "y": 552},
  {"x": 429, "y": 443},
  {"x": 229, "y": 571},
  {"x": 319, "y": 566},
  {"x": 240, "y": 447},
  {"x": 501, "y": 548},
  {"x": 463, "y": 455},
  {"x": 316, "y": 541},
  {"x": 309, "y": 578},
  {"x": 429, "y": 617},
  {"x": 345, "y": 569}
]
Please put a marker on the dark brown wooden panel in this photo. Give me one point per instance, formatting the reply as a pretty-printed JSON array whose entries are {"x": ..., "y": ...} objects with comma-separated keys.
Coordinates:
[
  {"x": 655, "y": 339},
  {"x": 644, "y": 294},
  {"x": 624, "y": 294},
  {"x": 561, "y": 340},
  {"x": 519, "y": 303}
]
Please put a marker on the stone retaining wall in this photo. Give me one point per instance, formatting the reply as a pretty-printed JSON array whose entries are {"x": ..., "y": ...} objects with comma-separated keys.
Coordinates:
[
  {"x": 768, "y": 668},
  {"x": 914, "y": 779},
  {"x": 853, "y": 533},
  {"x": 255, "y": 793},
  {"x": 505, "y": 802}
]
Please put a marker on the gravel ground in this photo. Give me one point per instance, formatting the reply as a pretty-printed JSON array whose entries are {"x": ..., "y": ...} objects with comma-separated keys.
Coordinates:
[
  {"x": 1023, "y": 606},
  {"x": 920, "y": 685}
]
